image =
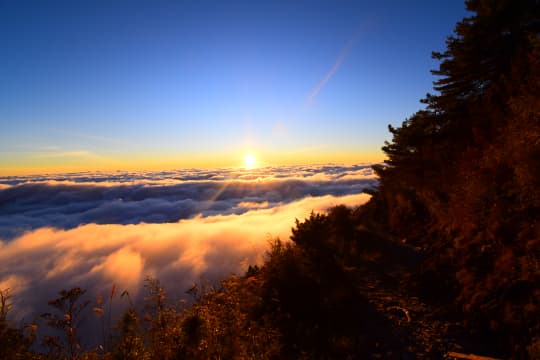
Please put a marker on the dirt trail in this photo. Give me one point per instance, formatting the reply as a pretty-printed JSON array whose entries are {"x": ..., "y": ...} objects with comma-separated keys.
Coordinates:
[
  {"x": 423, "y": 336},
  {"x": 424, "y": 332}
]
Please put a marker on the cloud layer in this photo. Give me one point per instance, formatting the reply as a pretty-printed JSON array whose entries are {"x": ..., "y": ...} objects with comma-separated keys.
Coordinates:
[
  {"x": 67, "y": 201},
  {"x": 96, "y": 230}
]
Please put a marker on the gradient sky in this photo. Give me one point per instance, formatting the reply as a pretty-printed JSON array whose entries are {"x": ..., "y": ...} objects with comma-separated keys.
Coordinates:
[{"x": 101, "y": 85}]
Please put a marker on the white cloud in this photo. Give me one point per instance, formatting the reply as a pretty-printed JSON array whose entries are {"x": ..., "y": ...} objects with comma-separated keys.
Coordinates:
[
  {"x": 67, "y": 201},
  {"x": 94, "y": 230},
  {"x": 37, "y": 264}
]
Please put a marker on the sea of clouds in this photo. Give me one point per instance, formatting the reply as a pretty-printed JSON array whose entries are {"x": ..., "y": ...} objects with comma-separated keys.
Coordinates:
[{"x": 94, "y": 230}]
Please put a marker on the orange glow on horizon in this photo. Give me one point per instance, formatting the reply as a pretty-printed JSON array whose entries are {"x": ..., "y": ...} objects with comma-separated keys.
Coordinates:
[{"x": 158, "y": 162}]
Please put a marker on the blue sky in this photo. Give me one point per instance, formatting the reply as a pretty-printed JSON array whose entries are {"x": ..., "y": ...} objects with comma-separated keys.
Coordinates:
[{"x": 89, "y": 85}]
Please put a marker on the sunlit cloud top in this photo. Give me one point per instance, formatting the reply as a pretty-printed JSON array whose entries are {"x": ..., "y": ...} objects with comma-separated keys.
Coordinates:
[
  {"x": 69, "y": 200},
  {"x": 94, "y": 230}
]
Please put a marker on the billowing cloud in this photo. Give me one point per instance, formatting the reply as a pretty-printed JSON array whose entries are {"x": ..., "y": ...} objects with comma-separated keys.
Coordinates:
[
  {"x": 96, "y": 230},
  {"x": 67, "y": 201},
  {"x": 36, "y": 265}
]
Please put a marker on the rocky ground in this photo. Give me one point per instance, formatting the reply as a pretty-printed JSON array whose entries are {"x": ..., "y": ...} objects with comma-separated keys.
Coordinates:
[{"x": 419, "y": 330}]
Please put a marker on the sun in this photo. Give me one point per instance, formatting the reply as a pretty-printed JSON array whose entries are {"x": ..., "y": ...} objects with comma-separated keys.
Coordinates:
[{"x": 249, "y": 161}]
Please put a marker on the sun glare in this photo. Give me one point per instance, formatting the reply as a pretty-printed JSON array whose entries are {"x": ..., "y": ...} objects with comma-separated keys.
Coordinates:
[{"x": 249, "y": 161}]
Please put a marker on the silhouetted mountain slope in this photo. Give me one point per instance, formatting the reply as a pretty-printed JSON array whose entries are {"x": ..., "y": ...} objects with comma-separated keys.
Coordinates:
[{"x": 462, "y": 180}]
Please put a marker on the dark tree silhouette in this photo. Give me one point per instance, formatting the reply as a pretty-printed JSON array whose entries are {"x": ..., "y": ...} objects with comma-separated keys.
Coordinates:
[{"x": 462, "y": 175}]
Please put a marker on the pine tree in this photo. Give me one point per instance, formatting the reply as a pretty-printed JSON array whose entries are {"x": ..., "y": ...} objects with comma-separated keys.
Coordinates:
[{"x": 465, "y": 170}]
